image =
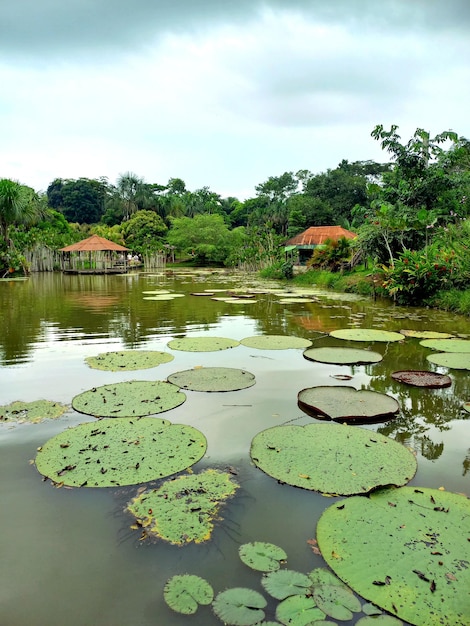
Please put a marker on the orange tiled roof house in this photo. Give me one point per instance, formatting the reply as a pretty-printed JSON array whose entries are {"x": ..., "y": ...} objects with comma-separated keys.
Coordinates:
[{"x": 305, "y": 243}]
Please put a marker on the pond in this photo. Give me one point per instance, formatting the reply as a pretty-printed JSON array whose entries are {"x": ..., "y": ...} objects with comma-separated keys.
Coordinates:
[{"x": 70, "y": 556}]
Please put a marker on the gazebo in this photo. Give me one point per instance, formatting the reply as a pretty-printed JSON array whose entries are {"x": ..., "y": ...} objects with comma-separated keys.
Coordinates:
[
  {"x": 305, "y": 243},
  {"x": 94, "y": 255}
]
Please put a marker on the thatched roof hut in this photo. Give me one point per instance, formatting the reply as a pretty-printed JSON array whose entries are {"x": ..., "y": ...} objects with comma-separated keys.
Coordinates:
[{"x": 94, "y": 255}]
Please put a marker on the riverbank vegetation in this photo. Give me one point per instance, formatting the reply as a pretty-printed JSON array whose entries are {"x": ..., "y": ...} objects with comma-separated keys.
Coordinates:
[{"x": 411, "y": 215}]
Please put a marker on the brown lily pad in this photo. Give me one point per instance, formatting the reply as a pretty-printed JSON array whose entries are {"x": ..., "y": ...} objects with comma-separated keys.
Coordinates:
[{"x": 419, "y": 378}]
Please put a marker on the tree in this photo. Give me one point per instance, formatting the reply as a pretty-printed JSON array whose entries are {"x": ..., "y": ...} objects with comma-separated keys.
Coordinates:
[
  {"x": 81, "y": 200},
  {"x": 18, "y": 205},
  {"x": 129, "y": 187},
  {"x": 206, "y": 237},
  {"x": 144, "y": 232}
]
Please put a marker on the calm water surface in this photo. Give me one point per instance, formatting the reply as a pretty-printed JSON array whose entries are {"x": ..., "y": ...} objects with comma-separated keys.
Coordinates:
[{"x": 68, "y": 556}]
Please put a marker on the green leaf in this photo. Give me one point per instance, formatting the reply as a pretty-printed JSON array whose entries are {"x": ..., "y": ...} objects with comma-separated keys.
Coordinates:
[
  {"x": 447, "y": 345},
  {"x": 184, "y": 593},
  {"x": 453, "y": 360},
  {"x": 332, "y": 458},
  {"x": 337, "y": 602},
  {"x": 183, "y": 510},
  {"x": 127, "y": 360},
  {"x": 275, "y": 342},
  {"x": 135, "y": 398},
  {"x": 342, "y": 356},
  {"x": 380, "y": 620},
  {"x": 262, "y": 556},
  {"x": 212, "y": 379},
  {"x": 298, "y": 611},
  {"x": 128, "y": 451},
  {"x": 239, "y": 606},
  {"x": 425, "y": 334},
  {"x": 202, "y": 344},
  {"x": 283, "y": 583},
  {"x": 346, "y": 403},
  {"x": 34, "y": 412},
  {"x": 366, "y": 334},
  {"x": 405, "y": 550}
]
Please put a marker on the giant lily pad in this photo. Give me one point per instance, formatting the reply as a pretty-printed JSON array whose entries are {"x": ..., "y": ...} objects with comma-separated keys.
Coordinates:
[
  {"x": 213, "y": 379},
  {"x": 202, "y": 344},
  {"x": 366, "y": 334},
  {"x": 275, "y": 342},
  {"x": 262, "y": 556},
  {"x": 123, "y": 452},
  {"x": 342, "y": 356},
  {"x": 34, "y": 412},
  {"x": 332, "y": 458},
  {"x": 426, "y": 334},
  {"x": 347, "y": 403},
  {"x": 135, "y": 398},
  {"x": 239, "y": 606},
  {"x": 183, "y": 510},
  {"x": 454, "y": 360},
  {"x": 126, "y": 360},
  {"x": 447, "y": 345},
  {"x": 405, "y": 550},
  {"x": 184, "y": 593},
  {"x": 419, "y": 378}
]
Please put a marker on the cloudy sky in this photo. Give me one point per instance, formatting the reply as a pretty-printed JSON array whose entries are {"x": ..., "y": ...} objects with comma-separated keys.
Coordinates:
[{"x": 223, "y": 93}]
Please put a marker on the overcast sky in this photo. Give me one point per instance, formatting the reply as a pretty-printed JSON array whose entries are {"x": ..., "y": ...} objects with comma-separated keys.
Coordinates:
[{"x": 222, "y": 93}]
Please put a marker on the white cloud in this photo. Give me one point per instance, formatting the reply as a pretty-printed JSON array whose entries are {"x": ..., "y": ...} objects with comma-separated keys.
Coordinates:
[{"x": 230, "y": 103}]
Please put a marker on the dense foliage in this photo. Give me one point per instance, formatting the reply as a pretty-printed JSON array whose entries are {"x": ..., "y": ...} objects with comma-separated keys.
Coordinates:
[{"x": 409, "y": 213}]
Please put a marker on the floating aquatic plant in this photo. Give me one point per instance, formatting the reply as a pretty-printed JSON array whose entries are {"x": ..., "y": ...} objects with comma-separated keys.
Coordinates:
[
  {"x": 35, "y": 411},
  {"x": 418, "y": 378},
  {"x": 425, "y": 334},
  {"x": 134, "y": 398},
  {"x": 275, "y": 342},
  {"x": 128, "y": 451},
  {"x": 366, "y": 334},
  {"x": 212, "y": 379},
  {"x": 447, "y": 345},
  {"x": 345, "y": 403},
  {"x": 183, "y": 510},
  {"x": 126, "y": 360},
  {"x": 184, "y": 593},
  {"x": 332, "y": 458},
  {"x": 262, "y": 556},
  {"x": 202, "y": 344},
  {"x": 453, "y": 360},
  {"x": 239, "y": 606},
  {"x": 405, "y": 550},
  {"x": 342, "y": 356}
]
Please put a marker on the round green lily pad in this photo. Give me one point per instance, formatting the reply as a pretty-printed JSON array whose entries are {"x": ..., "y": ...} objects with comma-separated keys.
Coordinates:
[
  {"x": 366, "y": 334},
  {"x": 342, "y": 356},
  {"x": 183, "y": 510},
  {"x": 336, "y": 602},
  {"x": 239, "y": 606},
  {"x": 298, "y": 611},
  {"x": 332, "y": 458},
  {"x": 127, "y": 360},
  {"x": 202, "y": 344},
  {"x": 447, "y": 345},
  {"x": 165, "y": 296},
  {"x": 184, "y": 593},
  {"x": 426, "y": 334},
  {"x": 379, "y": 620},
  {"x": 405, "y": 550},
  {"x": 34, "y": 412},
  {"x": 157, "y": 292},
  {"x": 112, "y": 453},
  {"x": 283, "y": 583},
  {"x": 347, "y": 403},
  {"x": 135, "y": 398},
  {"x": 275, "y": 342},
  {"x": 454, "y": 360},
  {"x": 212, "y": 379},
  {"x": 418, "y": 378},
  {"x": 262, "y": 556}
]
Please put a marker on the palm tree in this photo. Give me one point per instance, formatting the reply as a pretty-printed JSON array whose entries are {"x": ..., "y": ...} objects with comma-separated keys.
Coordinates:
[
  {"x": 18, "y": 205},
  {"x": 129, "y": 187}
]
